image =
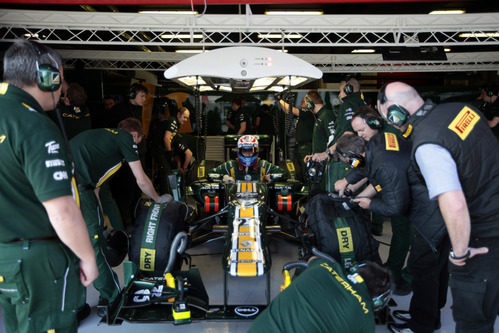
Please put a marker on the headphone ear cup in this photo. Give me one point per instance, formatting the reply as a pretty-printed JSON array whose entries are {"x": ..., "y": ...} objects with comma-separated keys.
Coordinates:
[
  {"x": 348, "y": 89},
  {"x": 374, "y": 123},
  {"x": 48, "y": 78},
  {"x": 490, "y": 93},
  {"x": 132, "y": 94},
  {"x": 309, "y": 103},
  {"x": 397, "y": 114}
]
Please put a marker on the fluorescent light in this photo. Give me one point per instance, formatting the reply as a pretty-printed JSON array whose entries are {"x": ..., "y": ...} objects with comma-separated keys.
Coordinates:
[
  {"x": 295, "y": 80},
  {"x": 263, "y": 81},
  {"x": 447, "y": 12},
  {"x": 169, "y": 12},
  {"x": 35, "y": 35},
  {"x": 290, "y": 36},
  {"x": 364, "y": 51},
  {"x": 479, "y": 34},
  {"x": 205, "y": 88},
  {"x": 447, "y": 49},
  {"x": 283, "y": 12},
  {"x": 189, "y": 51},
  {"x": 192, "y": 80},
  {"x": 224, "y": 88},
  {"x": 181, "y": 36},
  {"x": 276, "y": 88}
]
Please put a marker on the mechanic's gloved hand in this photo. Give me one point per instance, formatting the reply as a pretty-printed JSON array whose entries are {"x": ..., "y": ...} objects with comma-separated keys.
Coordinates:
[
  {"x": 228, "y": 179},
  {"x": 165, "y": 198}
]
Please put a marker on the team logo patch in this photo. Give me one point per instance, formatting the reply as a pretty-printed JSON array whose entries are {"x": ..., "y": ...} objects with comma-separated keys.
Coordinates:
[
  {"x": 246, "y": 311},
  {"x": 464, "y": 122},
  {"x": 378, "y": 188},
  {"x": 391, "y": 142}
]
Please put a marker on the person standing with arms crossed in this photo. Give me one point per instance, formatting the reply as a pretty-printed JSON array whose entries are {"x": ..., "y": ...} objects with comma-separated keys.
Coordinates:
[{"x": 41, "y": 225}]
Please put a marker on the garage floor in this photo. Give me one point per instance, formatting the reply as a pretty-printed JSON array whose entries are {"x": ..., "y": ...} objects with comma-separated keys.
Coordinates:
[{"x": 242, "y": 291}]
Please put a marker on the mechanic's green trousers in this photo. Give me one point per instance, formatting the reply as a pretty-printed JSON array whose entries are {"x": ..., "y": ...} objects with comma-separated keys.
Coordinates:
[
  {"x": 400, "y": 243},
  {"x": 110, "y": 207},
  {"x": 40, "y": 287},
  {"x": 107, "y": 282}
]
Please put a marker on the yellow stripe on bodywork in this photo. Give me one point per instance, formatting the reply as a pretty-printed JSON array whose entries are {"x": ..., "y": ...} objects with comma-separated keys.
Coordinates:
[
  {"x": 201, "y": 172},
  {"x": 246, "y": 269},
  {"x": 108, "y": 174},
  {"x": 246, "y": 212},
  {"x": 232, "y": 173}
]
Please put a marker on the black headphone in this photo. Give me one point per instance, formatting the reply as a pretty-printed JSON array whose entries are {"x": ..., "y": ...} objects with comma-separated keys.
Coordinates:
[
  {"x": 396, "y": 114},
  {"x": 372, "y": 121},
  {"x": 308, "y": 101},
  {"x": 491, "y": 90},
  {"x": 348, "y": 88},
  {"x": 133, "y": 93},
  {"x": 48, "y": 77},
  {"x": 355, "y": 160}
]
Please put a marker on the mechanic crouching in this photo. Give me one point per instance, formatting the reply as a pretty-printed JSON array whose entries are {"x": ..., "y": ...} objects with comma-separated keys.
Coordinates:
[{"x": 248, "y": 166}]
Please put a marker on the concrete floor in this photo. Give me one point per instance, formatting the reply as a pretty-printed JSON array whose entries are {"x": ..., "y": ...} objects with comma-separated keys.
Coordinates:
[{"x": 207, "y": 258}]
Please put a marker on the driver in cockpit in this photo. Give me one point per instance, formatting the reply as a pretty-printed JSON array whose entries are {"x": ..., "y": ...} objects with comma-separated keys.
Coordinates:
[{"x": 248, "y": 166}]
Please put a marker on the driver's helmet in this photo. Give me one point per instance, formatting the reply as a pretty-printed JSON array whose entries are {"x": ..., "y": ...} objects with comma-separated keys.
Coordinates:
[{"x": 244, "y": 144}]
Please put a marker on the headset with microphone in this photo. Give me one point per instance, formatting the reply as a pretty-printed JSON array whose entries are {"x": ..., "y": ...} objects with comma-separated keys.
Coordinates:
[
  {"x": 309, "y": 103},
  {"x": 48, "y": 77},
  {"x": 396, "y": 114},
  {"x": 348, "y": 88},
  {"x": 372, "y": 121},
  {"x": 354, "y": 159}
]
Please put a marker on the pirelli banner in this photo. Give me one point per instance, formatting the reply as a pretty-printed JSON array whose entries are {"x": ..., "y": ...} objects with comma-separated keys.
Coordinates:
[{"x": 155, "y": 227}]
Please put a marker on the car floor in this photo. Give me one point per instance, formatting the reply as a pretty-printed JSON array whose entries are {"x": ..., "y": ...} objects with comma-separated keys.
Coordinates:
[{"x": 207, "y": 258}]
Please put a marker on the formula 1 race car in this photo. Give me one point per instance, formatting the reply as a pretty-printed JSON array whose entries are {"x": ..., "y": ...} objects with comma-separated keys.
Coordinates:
[{"x": 246, "y": 213}]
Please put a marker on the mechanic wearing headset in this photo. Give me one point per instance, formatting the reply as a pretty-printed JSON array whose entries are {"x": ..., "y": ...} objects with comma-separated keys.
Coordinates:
[
  {"x": 326, "y": 298},
  {"x": 173, "y": 141},
  {"x": 248, "y": 166},
  {"x": 337, "y": 125},
  {"x": 391, "y": 169},
  {"x": 490, "y": 107},
  {"x": 457, "y": 154},
  {"x": 367, "y": 124},
  {"x": 98, "y": 155},
  {"x": 45, "y": 251}
]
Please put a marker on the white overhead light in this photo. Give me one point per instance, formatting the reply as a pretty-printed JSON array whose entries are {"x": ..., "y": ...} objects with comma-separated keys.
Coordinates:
[
  {"x": 205, "y": 88},
  {"x": 169, "y": 12},
  {"x": 181, "y": 36},
  {"x": 294, "y": 12},
  {"x": 263, "y": 81},
  {"x": 363, "y": 51},
  {"x": 292, "y": 81},
  {"x": 447, "y": 12},
  {"x": 290, "y": 36},
  {"x": 192, "y": 80},
  {"x": 35, "y": 35},
  {"x": 189, "y": 51},
  {"x": 479, "y": 34},
  {"x": 447, "y": 49}
]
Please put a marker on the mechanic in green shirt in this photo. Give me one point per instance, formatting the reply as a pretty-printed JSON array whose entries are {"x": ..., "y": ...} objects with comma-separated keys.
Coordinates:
[
  {"x": 337, "y": 125},
  {"x": 248, "y": 166},
  {"x": 325, "y": 298},
  {"x": 98, "y": 154},
  {"x": 42, "y": 232}
]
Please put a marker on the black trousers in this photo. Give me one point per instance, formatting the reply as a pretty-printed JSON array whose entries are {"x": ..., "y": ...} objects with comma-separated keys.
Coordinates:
[
  {"x": 429, "y": 283},
  {"x": 475, "y": 289}
]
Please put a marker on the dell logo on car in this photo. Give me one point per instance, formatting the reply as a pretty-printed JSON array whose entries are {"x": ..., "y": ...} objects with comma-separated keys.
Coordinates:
[{"x": 246, "y": 311}]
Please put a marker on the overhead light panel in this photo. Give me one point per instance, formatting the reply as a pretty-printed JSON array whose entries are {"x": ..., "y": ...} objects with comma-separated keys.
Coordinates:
[
  {"x": 447, "y": 12},
  {"x": 294, "y": 12},
  {"x": 182, "y": 36},
  {"x": 292, "y": 80},
  {"x": 274, "y": 36},
  {"x": 169, "y": 12},
  {"x": 192, "y": 80},
  {"x": 205, "y": 88},
  {"x": 447, "y": 49},
  {"x": 363, "y": 51},
  {"x": 479, "y": 34}
]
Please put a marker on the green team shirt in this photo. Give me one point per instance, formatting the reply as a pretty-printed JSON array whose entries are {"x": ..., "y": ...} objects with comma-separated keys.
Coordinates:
[
  {"x": 34, "y": 167},
  {"x": 304, "y": 127},
  {"x": 99, "y": 153},
  {"x": 256, "y": 172},
  {"x": 321, "y": 299},
  {"x": 324, "y": 130},
  {"x": 75, "y": 119},
  {"x": 345, "y": 112}
]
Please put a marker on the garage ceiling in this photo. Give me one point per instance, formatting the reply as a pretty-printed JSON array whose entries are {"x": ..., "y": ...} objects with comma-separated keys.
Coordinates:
[{"x": 115, "y": 36}]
